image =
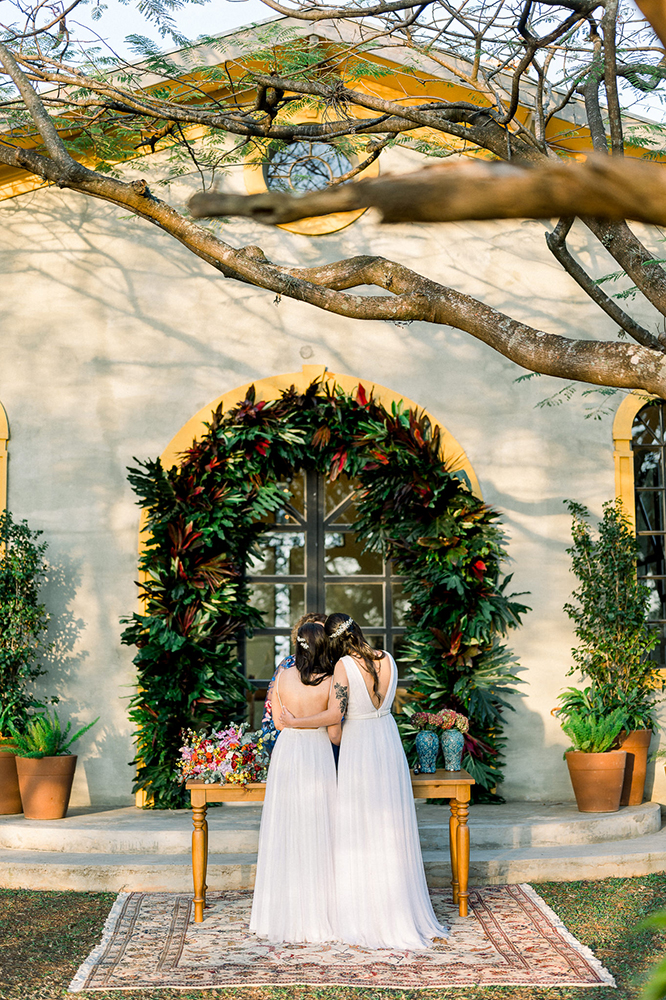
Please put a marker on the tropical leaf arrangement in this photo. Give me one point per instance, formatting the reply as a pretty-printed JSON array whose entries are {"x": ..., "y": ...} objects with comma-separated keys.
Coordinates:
[
  {"x": 205, "y": 516},
  {"x": 44, "y": 736}
]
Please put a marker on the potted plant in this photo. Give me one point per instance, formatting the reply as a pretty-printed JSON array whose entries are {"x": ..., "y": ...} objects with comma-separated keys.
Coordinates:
[
  {"x": 10, "y": 796},
  {"x": 45, "y": 765},
  {"x": 596, "y": 770},
  {"x": 615, "y": 639},
  {"x": 23, "y": 624}
]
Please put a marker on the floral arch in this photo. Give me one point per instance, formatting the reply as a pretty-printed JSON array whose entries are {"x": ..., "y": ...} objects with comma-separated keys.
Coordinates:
[{"x": 209, "y": 500}]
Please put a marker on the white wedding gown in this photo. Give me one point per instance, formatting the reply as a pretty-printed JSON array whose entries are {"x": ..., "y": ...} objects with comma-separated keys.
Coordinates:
[
  {"x": 294, "y": 892},
  {"x": 382, "y": 895}
]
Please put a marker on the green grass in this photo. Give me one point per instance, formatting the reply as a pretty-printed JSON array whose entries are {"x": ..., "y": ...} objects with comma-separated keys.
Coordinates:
[{"x": 44, "y": 936}]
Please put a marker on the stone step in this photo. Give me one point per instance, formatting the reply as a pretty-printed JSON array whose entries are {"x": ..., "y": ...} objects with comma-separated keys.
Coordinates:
[
  {"x": 172, "y": 873},
  {"x": 235, "y": 829}
]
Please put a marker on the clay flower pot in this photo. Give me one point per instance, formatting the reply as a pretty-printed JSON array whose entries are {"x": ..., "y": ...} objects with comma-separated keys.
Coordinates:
[
  {"x": 10, "y": 796},
  {"x": 46, "y": 784},
  {"x": 636, "y": 744},
  {"x": 597, "y": 779}
]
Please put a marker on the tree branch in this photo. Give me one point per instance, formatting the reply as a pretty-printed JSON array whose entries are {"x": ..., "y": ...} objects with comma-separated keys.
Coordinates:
[
  {"x": 608, "y": 24},
  {"x": 557, "y": 244},
  {"x": 55, "y": 147},
  {"x": 472, "y": 189}
]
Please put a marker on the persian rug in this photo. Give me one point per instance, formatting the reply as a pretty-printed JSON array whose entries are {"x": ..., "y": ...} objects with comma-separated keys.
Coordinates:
[{"x": 511, "y": 938}]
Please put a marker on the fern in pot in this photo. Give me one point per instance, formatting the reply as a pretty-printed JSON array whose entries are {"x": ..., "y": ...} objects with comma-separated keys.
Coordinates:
[
  {"x": 595, "y": 768},
  {"x": 46, "y": 765}
]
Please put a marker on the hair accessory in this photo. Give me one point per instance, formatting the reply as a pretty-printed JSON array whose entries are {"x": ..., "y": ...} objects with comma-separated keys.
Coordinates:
[
  {"x": 302, "y": 642},
  {"x": 342, "y": 628}
]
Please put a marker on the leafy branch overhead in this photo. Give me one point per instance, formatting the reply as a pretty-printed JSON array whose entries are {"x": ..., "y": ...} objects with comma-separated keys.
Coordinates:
[
  {"x": 207, "y": 515},
  {"x": 532, "y": 83}
]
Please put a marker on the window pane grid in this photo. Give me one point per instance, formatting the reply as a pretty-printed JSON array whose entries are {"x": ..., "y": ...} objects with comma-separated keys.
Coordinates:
[
  {"x": 333, "y": 574},
  {"x": 649, "y": 452}
]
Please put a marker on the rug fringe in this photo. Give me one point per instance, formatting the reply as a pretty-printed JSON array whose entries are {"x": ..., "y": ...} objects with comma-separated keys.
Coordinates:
[
  {"x": 582, "y": 949},
  {"x": 79, "y": 981}
]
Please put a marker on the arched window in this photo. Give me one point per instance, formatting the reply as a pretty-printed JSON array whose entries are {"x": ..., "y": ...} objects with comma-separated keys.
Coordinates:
[
  {"x": 311, "y": 560},
  {"x": 648, "y": 444}
]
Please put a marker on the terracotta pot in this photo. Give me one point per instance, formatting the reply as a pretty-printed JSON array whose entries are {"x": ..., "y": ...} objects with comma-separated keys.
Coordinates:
[
  {"x": 10, "y": 797},
  {"x": 597, "y": 779},
  {"x": 636, "y": 744},
  {"x": 46, "y": 784}
]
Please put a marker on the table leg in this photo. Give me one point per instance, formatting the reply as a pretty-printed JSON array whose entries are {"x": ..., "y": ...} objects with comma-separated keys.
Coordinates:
[
  {"x": 199, "y": 859},
  {"x": 463, "y": 857},
  {"x": 205, "y": 871},
  {"x": 453, "y": 848}
]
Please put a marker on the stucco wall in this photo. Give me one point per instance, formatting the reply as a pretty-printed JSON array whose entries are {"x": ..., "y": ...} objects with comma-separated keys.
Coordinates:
[{"x": 113, "y": 335}]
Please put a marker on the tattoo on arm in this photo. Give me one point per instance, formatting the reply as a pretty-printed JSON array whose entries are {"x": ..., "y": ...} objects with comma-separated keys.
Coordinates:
[{"x": 342, "y": 696}]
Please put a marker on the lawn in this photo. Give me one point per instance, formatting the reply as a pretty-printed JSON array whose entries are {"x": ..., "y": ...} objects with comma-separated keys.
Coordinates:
[{"x": 44, "y": 936}]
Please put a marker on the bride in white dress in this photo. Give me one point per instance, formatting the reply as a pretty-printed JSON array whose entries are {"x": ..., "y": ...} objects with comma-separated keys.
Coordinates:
[
  {"x": 382, "y": 895},
  {"x": 294, "y": 893}
]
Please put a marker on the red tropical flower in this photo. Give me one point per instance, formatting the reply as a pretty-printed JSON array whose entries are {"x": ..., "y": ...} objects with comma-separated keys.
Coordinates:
[{"x": 479, "y": 568}]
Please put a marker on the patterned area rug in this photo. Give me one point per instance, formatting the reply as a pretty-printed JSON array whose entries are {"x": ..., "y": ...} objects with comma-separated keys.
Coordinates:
[{"x": 511, "y": 938}]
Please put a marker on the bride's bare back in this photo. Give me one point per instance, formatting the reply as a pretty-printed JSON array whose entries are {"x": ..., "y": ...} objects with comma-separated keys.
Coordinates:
[
  {"x": 301, "y": 699},
  {"x": 383, "y": 670}
]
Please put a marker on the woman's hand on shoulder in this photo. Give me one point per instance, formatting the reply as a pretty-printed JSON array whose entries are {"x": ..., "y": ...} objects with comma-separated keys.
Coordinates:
[{"x": 287, "y": 718}]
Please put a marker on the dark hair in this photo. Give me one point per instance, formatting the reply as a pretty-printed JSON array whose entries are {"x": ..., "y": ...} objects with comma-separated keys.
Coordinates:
[
  {"x": 311, "y": 616},
  {"x": 352, "y": 641},
  {"x": 312, "y": 658}
]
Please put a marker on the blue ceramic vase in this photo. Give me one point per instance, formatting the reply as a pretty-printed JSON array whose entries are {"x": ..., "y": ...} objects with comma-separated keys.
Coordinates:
[
  {"x": 453, "y": 743},
  {"x": 427, "y": 745}
]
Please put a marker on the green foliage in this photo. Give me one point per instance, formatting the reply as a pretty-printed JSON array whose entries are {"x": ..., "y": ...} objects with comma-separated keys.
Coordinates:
[
  {"x": 44, "y": 736},
  {"x": 23, "y": 619},
  {"x": 611, "y": 616},
  {"x": 205, "y": 515},
  {"x": 637, "y": 707},
  {"x": 593, "y": 734},
  {"x": 655, "y": 988}
]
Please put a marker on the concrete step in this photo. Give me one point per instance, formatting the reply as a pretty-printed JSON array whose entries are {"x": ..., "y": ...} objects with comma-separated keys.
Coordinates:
[
  {"x": 234, "y": 829},
  {"x": 172, "y": 873}
]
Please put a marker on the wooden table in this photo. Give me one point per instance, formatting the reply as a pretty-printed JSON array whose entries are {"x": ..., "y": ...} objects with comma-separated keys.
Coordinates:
[{"x": 453, "y": 785}]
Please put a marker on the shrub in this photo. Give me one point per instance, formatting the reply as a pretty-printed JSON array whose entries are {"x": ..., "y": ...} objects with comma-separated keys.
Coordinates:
[
  {"x": 611, "y": 619},
  {"x": 23, "y": 620}
]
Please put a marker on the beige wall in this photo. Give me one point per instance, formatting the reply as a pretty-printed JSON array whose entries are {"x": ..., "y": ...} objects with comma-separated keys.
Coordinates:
[{"x": 114, "y": 336}]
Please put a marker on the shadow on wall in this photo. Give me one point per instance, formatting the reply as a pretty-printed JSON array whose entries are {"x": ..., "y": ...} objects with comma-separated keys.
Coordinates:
[
  {"x": 102, "y": 770},
  {"x": 62, "y": 663}
]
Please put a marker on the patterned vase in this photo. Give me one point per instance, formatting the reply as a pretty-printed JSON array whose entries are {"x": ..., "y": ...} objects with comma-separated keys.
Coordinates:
[
  {"x": 427, "y": 745},
  {"x": 453, "y": 742}
]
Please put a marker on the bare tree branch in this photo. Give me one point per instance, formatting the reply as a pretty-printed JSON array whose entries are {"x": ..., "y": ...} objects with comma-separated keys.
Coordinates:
[
  {"x": 608, "y": 24},
  {"x": 54, "y": 144},
  {"x": 557, "y": 243},
  {"x": 472, "y": 189}
]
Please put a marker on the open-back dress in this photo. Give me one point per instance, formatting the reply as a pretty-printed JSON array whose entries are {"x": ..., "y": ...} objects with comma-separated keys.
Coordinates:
[
  {"x": 382, "y": 895},
  {"x": 294, "y": 892}
]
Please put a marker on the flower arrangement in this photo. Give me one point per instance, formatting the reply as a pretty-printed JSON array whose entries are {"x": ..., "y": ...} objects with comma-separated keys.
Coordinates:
[
  {"x": 435, "y": 721},
  {"x": 426, "y": 722},
  {"x": 229, "y": 755}
]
